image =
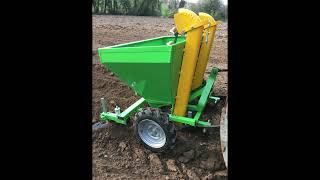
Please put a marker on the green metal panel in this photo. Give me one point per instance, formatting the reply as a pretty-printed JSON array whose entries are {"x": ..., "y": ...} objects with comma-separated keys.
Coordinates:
[
  {"x": 195, "y": 94},
  {"x": 206, "y": 90},
  {"x": 204, "y": 124},
  {"x": 181, "y": 119},
  {"x": 189, "y": 121},
  {"x": 133, "y": 108},
  {"x": 108, "y": 116},
  {"x": 150, "y": 67},
  {"x": 192, "y": 107},
  {"x": 123, "y": 117}
]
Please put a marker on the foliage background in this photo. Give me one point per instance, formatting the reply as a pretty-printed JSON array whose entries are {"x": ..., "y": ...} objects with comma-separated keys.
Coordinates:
[{"x": 164, "y": 8}]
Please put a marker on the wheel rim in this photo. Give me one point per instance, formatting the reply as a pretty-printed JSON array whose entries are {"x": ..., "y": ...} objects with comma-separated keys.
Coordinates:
[
  {"x": 151, "y": 133},
  {"x": 224, "y": 134}
]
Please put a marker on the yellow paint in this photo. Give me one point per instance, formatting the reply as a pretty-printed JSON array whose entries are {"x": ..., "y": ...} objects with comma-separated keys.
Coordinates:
[
  {"x": 187, "y": 22},
  {"x": 209, "y": 29}
]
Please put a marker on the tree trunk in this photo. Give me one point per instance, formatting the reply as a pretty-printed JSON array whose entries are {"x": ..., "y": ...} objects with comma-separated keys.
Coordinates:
[
  {"x": 98, "y": 6},
  {"x": 114, "y": 6},
  {"x": 134, "y": 3},
  {"x": 94, "y": 5},
  {"x": 133, "y": 10},
  {"x": 105, "y": 6},
  {"x": 142, "y": 8}
]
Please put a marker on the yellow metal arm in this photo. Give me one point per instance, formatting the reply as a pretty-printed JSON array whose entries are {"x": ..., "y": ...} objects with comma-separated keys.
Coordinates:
[
  {"x": 187, "y": 22},
  {"x": 208, "y": 37}
]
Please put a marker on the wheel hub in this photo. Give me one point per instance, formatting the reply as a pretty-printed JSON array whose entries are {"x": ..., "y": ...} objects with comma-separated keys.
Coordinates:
[{"x": 151, "y": 133}]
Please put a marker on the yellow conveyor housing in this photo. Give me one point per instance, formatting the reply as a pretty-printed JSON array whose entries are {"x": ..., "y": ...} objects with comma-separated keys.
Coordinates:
[
  {"x": 208, "y": 37},
  {"x": 187, "y": 22},
  {"x": 200, "y": 31}
]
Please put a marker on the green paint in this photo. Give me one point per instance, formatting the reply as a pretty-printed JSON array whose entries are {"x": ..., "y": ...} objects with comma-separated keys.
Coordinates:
[
  {"x": 192, "y": 107},
  {"x": 204, "y": 124},
  {"x": 181, "y": 119},
  {"x": 150, "y": 67},
  {"x": 204, "y": 92},
  {"x": 107, "y": 116},
  {"x": 124, "y": 116},
  {"x": 133, "y": 108},
  {"x": 195, "y": 94}
]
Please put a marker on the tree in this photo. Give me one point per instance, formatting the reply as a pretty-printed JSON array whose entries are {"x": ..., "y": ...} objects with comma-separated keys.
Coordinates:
[
  {"x": 95, "y": 4},
  {"x": 157, "y": 7},
  {"x": 106, "y": 3},
  {"x": 182, "y": 4},
  {"x": 214, "y": 7},
  {"x": 150, "y": 7},
  {"x": 126, "y": 5}
]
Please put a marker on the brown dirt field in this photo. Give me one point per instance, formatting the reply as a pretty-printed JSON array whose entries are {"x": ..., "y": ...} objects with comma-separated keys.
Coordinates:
[{"x": 116, "y": 153}]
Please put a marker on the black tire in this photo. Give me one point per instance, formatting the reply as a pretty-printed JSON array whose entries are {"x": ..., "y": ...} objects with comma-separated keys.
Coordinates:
[{"x": 162, "y": 120}]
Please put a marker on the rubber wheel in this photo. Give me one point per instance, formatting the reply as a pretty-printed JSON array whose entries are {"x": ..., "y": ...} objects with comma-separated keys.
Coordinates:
[
  {"x": 154, "y": 130},
  {"x": 224, "y": 133}
]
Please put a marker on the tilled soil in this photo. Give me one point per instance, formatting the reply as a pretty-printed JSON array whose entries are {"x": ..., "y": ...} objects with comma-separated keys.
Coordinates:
[{"x": 116, "y": 152}]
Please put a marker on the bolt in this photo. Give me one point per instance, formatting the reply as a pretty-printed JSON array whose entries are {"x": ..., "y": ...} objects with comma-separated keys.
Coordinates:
[{"x": 204, "y": 130}]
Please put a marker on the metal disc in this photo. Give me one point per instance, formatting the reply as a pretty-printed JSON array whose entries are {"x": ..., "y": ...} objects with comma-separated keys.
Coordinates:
[{"x": 151, "y": 133}]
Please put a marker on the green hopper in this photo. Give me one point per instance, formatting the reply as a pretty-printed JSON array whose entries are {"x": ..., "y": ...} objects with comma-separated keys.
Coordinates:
[{"x": 152, "y": 68}]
